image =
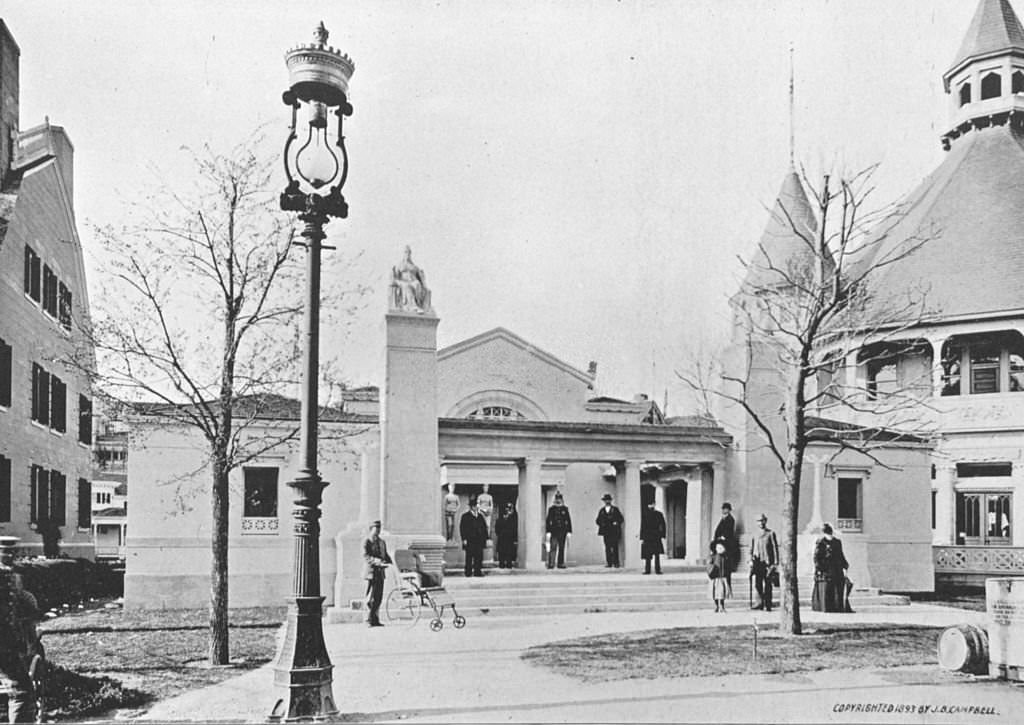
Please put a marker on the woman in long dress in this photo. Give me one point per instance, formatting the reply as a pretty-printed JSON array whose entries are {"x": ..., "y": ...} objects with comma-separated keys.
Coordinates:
[{"x": 830, "y": 567}]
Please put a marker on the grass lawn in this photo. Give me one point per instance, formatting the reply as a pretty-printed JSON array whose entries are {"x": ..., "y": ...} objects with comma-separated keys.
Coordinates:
[
  {"x": 151, "y": 654},
  {"x": 700, "y": 651}
]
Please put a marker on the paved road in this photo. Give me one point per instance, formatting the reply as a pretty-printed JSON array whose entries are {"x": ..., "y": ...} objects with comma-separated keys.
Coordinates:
[{"x": 397, "y": 674}]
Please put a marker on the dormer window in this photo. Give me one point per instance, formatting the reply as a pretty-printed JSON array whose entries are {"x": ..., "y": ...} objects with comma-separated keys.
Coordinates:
[
  {"x": 965, "y": 94},
  {"x": 1017, "y": 82},
  {"x": 991, "y": 86}
]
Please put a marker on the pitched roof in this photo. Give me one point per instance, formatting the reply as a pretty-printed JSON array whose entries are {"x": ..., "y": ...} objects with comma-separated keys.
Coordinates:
[
  {"x": 970, "y": 215},
  {"x": 995, "y": 29},
  {"x": 500, "y": 333},
  {"x": 787, "y": 237}
]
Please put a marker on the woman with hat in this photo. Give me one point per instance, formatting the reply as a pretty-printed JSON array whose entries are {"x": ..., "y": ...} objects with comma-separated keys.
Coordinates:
[
  {"x": 830, "y": 567},
  {"x": 609, "y": 527}
]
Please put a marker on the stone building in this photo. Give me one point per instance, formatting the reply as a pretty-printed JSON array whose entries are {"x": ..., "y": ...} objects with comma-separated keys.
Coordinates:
[{"x": 45, "y": 406}]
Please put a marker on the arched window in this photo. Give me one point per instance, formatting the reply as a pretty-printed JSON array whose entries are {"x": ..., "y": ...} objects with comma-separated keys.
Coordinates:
[
  {"x": 991, "y": 86},
  {"x": 1017, "y": 82},
  {"x": 965, "y": 94},
  {"x": 496, "y": 412}
]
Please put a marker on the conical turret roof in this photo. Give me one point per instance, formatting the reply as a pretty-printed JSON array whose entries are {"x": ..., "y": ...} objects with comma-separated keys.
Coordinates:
[
  {"x": 995, "y": 29},
  {"x": 789, "y": 237},
  {"x": 968, "y": 216}
]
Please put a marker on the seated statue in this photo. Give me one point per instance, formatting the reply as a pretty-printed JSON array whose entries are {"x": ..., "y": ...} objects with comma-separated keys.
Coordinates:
[{"x": 409, "y": 291}]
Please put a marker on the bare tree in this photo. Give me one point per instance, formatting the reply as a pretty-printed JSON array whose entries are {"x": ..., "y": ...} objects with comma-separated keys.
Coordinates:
[
  {"x": 197, "y": 323},
  {"x": 808, "y": 306}
]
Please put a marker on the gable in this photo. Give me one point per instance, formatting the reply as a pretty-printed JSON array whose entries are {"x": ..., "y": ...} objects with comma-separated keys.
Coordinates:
[{"x": 500, "y": 370}]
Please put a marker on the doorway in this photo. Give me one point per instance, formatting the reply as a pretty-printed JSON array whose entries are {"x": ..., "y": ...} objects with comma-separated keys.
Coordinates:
[{"x": 675, "y": 519}]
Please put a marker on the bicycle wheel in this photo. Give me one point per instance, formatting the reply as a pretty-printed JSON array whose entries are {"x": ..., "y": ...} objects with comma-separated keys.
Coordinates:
[{"x": 403, "y": 607}]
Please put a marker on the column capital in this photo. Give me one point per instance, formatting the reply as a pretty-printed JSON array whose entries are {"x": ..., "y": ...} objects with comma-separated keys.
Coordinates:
[
  {"x": 629, "y": 464},
  {"x": 531, "y": 462}
]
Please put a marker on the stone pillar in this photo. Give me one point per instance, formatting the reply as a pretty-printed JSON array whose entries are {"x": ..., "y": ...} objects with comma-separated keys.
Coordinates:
[
  {"x": 697, "y": 535},
  {"x": 945, "y": 504},
  {"x": 531, "y": 515},
  {"x": 707, "y": 487},
  {"x": 936, "y": 367},
  {"x": 349, "y": 585},
  {"x": 816, "y": 520},
  {"x": 627, "y": 488},
  {"x": 659, "y": 496}
]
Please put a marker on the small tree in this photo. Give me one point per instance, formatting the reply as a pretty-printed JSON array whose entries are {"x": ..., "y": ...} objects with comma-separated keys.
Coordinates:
[
  {"x": 806, "y": 306},
  {"x": 198, "y": 312}
]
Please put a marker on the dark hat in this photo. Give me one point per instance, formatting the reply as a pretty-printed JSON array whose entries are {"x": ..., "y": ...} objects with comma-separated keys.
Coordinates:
[
  {"x": 762, "y": 517},
  {"x": 558, "y": 496},
  {"x": 375, "y": 523},
  {"x": 606, "y": 497},
  {"x": 826, "y": 529},
  {"x": 727, "y": 505},
  {"x": 472, "y": 501}
]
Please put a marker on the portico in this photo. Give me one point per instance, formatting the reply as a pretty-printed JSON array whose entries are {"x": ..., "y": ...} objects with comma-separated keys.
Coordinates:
[{"x": 538, "y": 457}]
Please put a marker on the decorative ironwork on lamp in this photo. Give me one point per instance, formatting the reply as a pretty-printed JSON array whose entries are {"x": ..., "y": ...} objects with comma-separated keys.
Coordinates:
[{"x": 314, "y": 157}]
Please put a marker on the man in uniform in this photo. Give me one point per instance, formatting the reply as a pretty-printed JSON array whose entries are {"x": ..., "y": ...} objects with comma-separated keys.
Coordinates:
[
  {"x": 376, "y": 560},
  {"x": 764, "y": 558},
  {"x": 609, "y": 527},
  {"x": 473, "y": 530},
  {"x": 15, "y": 683},
  {"x": 558, "y": 526}
]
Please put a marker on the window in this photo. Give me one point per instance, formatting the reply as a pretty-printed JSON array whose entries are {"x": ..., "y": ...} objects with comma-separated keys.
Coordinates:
[
  {"x": 40, "y": 395},
  {"x": 882, "y": 381},
  {"x": 64, "y": 304},
  {"x": 848, "y": 514},
  {"x": 983, "y": 518},
  {"x": 965, "y": 94},
  {"x": 981, "y": 470},
  {"x": 50, "y": 291},
  {"x": 5, "y": 488},
  {"x": 32, "y": 269},
  {"x": 84, "y": 420},
  {"x": 496, "y": 412},
  {"x": 39, "y": 494},
  {"x": 103, "y": 498},
  {"x": 952, "y": 354},
  {"x": 58, "y": 498},
  {"x": 991, "y": 86},
  {"x": 984, "y": 368},
  {"x": 260, "y": 492},
  {"x": 84, "y": 510},
  {"x": 5, "y": 373},
  {"x": 1017, "y": 82},
  {"x": 58, "y": 404},
  {"x": 934, "y": 497}
]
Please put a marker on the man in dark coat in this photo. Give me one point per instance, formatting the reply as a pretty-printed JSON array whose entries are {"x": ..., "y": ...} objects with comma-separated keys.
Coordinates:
[
  {"x": 506, "y": 530},
  {"x": 473, "y": 530},
  {"x": 652, "y": 531},
  {"x": 558, "y": 528},
  {"x": 764, "y": 560},
  {"x": 726, "y": 531},
  {"x": 375, "y": 563},
  {"x": 609, "y": 527}
]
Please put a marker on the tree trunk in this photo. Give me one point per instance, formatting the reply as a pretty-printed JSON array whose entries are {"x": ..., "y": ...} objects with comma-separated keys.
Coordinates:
[
  {"x": 789, "y": 616},
  {"x": 219, "y": 565}
]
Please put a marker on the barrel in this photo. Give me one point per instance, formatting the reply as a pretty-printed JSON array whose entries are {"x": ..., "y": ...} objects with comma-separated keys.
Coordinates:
[{"x": 964, "y": 648}]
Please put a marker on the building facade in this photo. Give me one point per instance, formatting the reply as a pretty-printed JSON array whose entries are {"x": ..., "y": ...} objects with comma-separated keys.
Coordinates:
[{"x": 45, "y": 403}]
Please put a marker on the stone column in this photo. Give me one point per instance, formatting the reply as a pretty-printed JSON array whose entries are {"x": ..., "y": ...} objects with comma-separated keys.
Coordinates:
[
  {"x": 816, "y": 520},
  {"x": 936, "y": 367},
  {"x": 697, "y": 535},
  {"x": 627, "y": 486},
  {"x": 945, "y": 504},
  {"x": 531, "y": 515}
]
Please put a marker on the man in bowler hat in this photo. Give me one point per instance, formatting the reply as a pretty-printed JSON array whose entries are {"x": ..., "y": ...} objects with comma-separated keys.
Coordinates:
[
  {"x": 609, "y": 527},
  {"x": 474, "y": 531}
]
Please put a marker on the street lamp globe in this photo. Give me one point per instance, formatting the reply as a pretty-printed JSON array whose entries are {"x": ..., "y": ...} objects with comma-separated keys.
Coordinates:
[{"x": 315, "y": 159}]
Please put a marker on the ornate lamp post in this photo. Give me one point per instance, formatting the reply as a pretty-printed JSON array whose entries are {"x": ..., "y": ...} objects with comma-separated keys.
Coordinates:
[{"x": 315, "y": 161}]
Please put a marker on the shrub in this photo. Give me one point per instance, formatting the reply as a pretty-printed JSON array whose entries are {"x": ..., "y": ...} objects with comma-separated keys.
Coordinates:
[
  {"x": 54, "y": 582},
  {"x": 69, "y": 694}
]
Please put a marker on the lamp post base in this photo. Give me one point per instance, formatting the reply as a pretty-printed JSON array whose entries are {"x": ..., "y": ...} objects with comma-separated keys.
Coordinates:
[{"x": 303, "y": 666}]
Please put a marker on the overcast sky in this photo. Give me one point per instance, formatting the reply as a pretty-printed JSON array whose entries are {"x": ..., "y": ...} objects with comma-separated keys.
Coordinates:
[{"x": 584, "y": 174}]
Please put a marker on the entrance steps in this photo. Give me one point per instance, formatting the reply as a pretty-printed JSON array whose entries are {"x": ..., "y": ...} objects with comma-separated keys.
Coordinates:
[{"x": 581, "y": 590}]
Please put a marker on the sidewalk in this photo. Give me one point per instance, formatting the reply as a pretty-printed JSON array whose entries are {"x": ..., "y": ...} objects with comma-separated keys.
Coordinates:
[{"x": 476, "y": 675}]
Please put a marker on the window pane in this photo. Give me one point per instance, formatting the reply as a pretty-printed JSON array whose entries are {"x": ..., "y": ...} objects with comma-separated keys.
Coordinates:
[
  {"x": 976, "y": 470},
  {"x": 260, "y": 492},
  {"x": 968, "y": 518},
  {"x": 5, "y": 488},
  {"x": 849, "y": 498},
  {"x": 998, "y": 518},
  {"x": 1016, "y": 372}
]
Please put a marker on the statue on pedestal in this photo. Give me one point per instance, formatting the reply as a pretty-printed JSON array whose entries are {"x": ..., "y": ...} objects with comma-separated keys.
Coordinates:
[
  {"x": 451, "y": 507},
  {"x": 486, "y": 503},
  {"x": 409, "y": 291}
]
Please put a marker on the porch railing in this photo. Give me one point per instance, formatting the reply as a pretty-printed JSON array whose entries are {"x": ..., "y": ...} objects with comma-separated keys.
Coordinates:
[
  {"x": 978, "y": 559},
  {"x": 259, "y": 526}
]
